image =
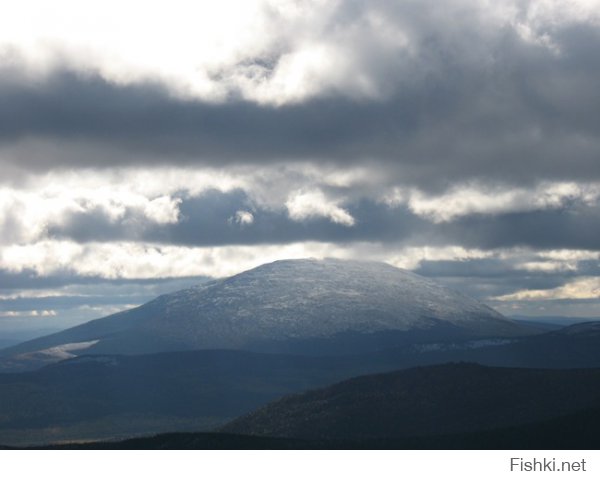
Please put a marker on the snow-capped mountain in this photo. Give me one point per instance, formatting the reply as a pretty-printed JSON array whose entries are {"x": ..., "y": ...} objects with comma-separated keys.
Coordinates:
[{"x": 283, "y": 304}]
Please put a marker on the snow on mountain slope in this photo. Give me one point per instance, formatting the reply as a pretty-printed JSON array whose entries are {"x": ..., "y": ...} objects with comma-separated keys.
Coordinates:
[
  {"x": 315, "y": 298},
  {"x": 285, "y": 301}
]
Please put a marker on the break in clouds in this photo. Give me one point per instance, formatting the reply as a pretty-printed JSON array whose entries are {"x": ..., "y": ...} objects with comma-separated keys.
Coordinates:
[{"x": 140, "y": 153}]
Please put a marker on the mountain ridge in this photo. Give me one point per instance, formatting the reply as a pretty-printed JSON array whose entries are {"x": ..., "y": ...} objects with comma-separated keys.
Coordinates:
[
  {"x": 283, "y": 307},
  {"x": 455, "y": 398},
  {"x": 75, "y": 399}
]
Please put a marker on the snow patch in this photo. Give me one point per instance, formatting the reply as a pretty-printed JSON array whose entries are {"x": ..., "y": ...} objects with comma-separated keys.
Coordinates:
[{"x": 61, "y": 352}]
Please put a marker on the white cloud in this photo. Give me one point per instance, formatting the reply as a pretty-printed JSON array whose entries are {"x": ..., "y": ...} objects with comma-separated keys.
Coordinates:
[
  {"x": 26, "y": 214},
  {"x": 27, "y": 313},
  {"x": 161, "y": 210},
  {"x": 581, "y": 289},
  {"x": 179, "y": 42},
  {"x": 148, "y": 195},
  {"x": 570, "y": 255},
  {"x": 28, "y": 209},
  {"x": 134, "y": 260},
  {"x": 411, "y": 257},
  {"x": 547, "y": 266},
  {"x": 273, "y": 51},
  {"x": 462, "y": 200},
  {"x": 313, "y": 203},
  {"x": 129, "y": 260},
  {"x": 551, "y": 260},
  {"x": 242, "y": 218}
]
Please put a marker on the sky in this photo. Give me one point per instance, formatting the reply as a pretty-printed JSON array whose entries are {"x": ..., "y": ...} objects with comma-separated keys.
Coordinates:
[{"x": 147, "y": 146}]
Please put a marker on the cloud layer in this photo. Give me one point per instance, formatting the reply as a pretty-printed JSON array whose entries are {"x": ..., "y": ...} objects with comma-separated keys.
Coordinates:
[
  {"x": 431, "y": 95},
  {"x": 459, "y": 140}
]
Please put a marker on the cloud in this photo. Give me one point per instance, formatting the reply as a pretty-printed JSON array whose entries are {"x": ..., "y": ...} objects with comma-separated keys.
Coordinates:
[
  {"x": 279, "y": 51},
  {"x": 309, "y": 204},
  {"x": 429, "y": 97},
  {"x": 129, "y": 260},
  {"x": 462, "y": 142},
  {"x": 270, "y": 208},
  {"x": 27, "y": 215},
  {"x": 133, "y": 260},
  {"x": 106, "y": 275},
  {"x": 242, "y": 218},
  {"x": 30, "y": 313},
  {"x": 465, "y": 200},
  {"x": 73, "y": 297},
  {"x": 499, "y": 273},
  {"x": 582, "y": 288},
  {"x": 572, "y": 227}
]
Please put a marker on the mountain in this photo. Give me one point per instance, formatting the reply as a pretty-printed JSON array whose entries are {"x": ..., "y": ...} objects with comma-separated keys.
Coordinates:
[
  {"x": 297, "y": 306},
  {"x": 450, "y": 399}
]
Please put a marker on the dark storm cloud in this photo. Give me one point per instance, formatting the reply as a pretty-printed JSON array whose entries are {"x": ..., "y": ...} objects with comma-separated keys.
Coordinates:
[
  {"x": 66, "y": 302},
  {"x": 209, "y": 220},
  {"x": 25, "y": 278},
  {"x": 589, "y": 267},
  {"x": 508, "y": 111},
  {"x": 205, "y": 221},
  {"x": 577, "y": 227},
  {"x": 143, "y": 119},
  {"x": 493, "y": 277},
  {"x": 74, "y": 298},
  {"x": 466, "y": 100},
  {"x": 29, "y": 279}
]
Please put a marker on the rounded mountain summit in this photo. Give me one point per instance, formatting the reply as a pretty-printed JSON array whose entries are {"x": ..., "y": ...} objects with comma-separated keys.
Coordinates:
[{"x": 300, "y": 306}]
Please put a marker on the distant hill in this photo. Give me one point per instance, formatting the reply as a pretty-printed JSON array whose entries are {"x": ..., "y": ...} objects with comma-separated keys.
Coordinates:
[
  {"x": 577, "y": 431},
  {"x": 97, "y": 397},
  {"x": 110, "y": 396},
  {"x": 295, "y": 306},
  {"x": 556, "y": 320},
  {"x": 115, "y": 396},
  {"x": 538, "y": 325},
  {"x": 575, "y": 346},
  {"x": 431, "y": 401},
  {"x": 7, "y": 342},
  {"x": 14, "y": 337}
]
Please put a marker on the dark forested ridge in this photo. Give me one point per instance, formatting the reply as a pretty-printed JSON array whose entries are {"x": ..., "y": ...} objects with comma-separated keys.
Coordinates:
[
  {"x": 114, "y": 396},
  {"x": 530, "y": 420},
  {"x": 426, "y": 401}
]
